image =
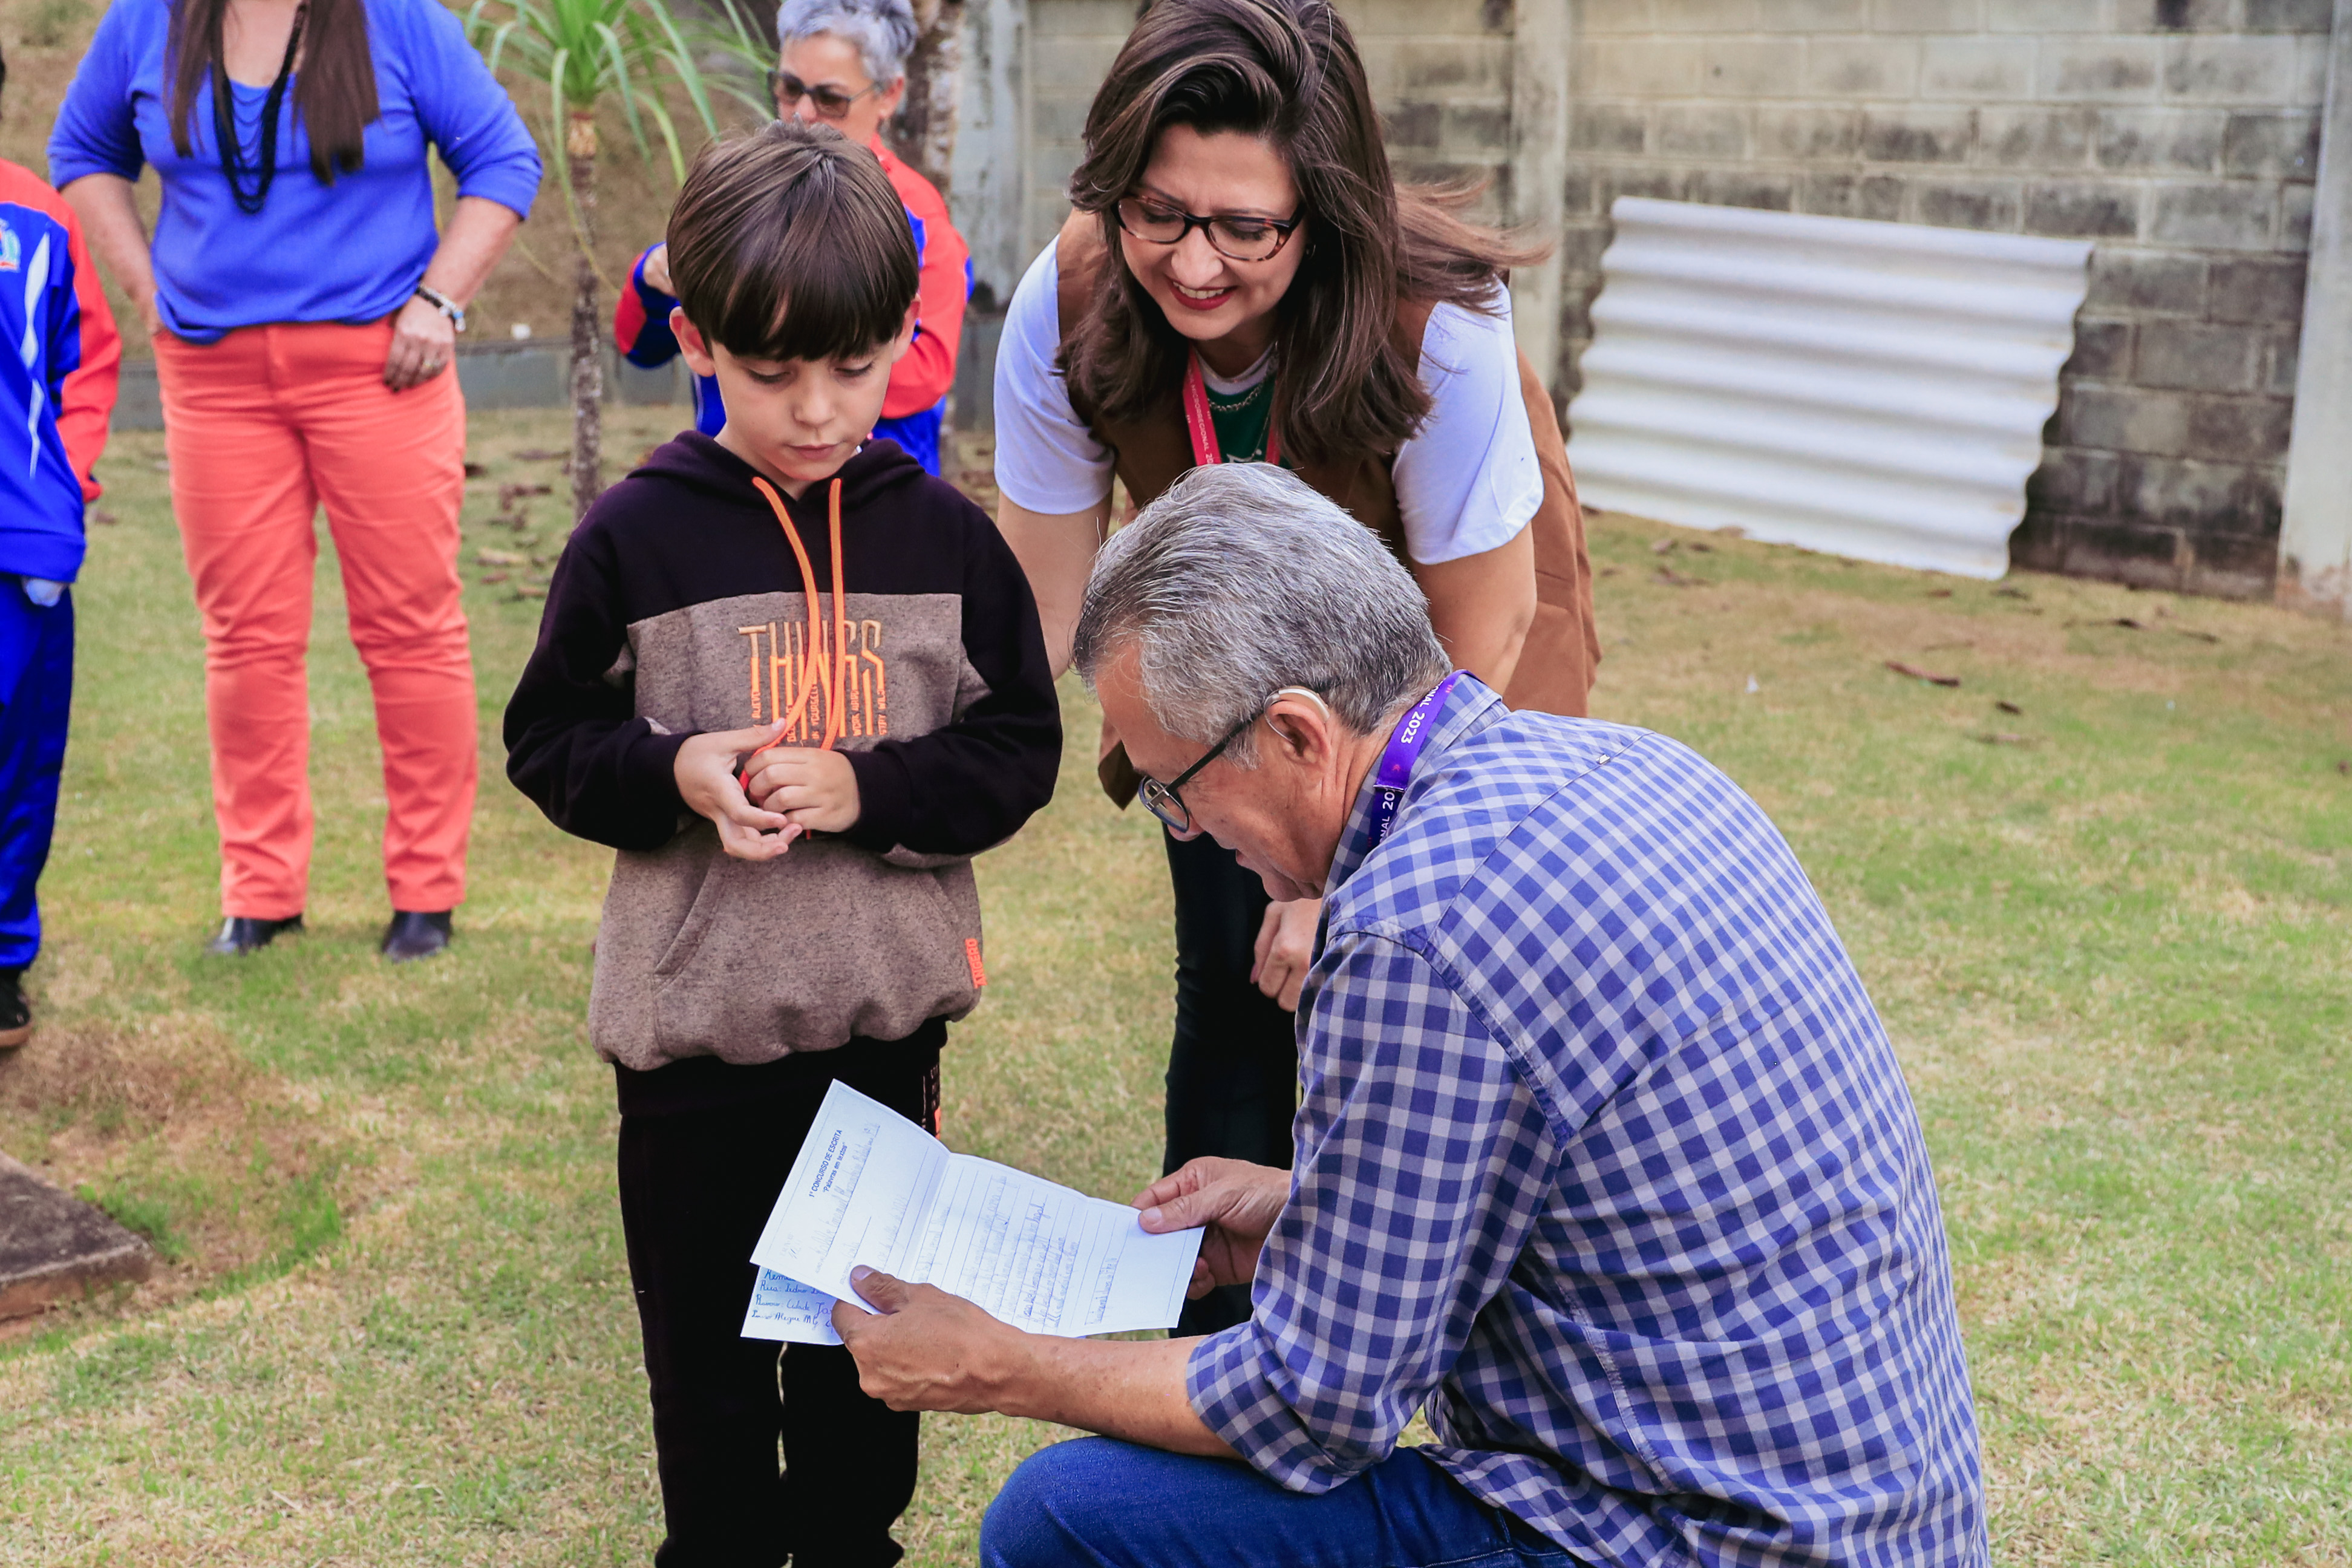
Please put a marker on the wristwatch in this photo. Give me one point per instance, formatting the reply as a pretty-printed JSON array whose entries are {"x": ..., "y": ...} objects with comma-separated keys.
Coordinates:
[{"x": 443, "y": 303}]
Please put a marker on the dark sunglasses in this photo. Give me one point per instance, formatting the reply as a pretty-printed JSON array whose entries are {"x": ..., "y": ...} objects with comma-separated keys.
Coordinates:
[
  {"x": 789, "y": 90},
  {"x": 1237, "y": 238}
]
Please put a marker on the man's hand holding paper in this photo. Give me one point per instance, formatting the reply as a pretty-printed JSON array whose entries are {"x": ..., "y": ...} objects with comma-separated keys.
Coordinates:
[{"x": 873, "y": 1191}]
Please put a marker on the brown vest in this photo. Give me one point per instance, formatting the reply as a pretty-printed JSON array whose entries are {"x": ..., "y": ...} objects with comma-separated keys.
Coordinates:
[{"x": 1556, "y": 662}]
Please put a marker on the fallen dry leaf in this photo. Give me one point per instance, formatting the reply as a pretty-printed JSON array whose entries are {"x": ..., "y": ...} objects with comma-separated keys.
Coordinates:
[
  {"x": 1662, "y": 547},
  {"x": 102, "y": 515},
  {"x": 2003, "y": 738},
  {"x": 1939, "y": 593},
  {"x": 2006, "y": 705},
  {"x": 1673, "y": 579},
  {"x": 540, "y": 455},
  {"x": 2128, "y": 623},
  {"x": 1916, "y": 673},
  {"x": 497, "y": 558},
  {"x": 491, "y": 578},
  {"x": 2010, "y": 594},
  {"x": 531, "y": 591},
  {"x": 475, "y": 470},
  {"x": 2200, "y": 637}
]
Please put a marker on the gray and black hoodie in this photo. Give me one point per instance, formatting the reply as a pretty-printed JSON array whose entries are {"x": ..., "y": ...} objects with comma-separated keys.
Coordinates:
[{"x": 679, "y": 608}]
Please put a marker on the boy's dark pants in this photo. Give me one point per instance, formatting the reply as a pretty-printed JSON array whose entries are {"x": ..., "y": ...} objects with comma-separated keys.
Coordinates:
[{"x": 703, "y": 1155}]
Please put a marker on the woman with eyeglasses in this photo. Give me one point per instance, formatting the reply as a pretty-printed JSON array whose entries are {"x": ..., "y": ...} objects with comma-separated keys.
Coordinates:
[
  {"x": 304, "y": 306},
  {"x": 843, "y": 62},
  {"x": 1244, "y": 281}
]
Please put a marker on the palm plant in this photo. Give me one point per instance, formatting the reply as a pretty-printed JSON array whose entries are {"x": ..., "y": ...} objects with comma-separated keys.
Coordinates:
[{"x": 585, "y": 54}]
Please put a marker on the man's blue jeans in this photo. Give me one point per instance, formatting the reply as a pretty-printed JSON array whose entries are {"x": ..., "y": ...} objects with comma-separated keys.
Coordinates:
[{"x": 1100, "y": 1502}]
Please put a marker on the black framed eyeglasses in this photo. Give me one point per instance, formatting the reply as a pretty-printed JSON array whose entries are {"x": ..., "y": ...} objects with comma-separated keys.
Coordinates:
[
  {"x": 1236, "y": 237},
  {"x": 789, "y": 90},
  {"x": 1169, "y": 805}
]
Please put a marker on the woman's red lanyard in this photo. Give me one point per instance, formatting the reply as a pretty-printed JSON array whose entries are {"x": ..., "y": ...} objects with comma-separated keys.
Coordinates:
[
  {"x": 834, "y": 680},
  {"x": 1197, "y": 419}
]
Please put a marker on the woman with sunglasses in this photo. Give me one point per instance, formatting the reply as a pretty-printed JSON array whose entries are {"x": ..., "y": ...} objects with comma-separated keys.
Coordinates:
[
  {"x": 1243, "y": 280},
  {"x": 841, "y": 62}
]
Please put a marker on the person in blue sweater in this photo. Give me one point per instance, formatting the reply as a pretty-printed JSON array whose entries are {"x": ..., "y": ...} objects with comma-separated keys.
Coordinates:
[
  {"x": 56, "y": 392},
  {"x": 303, "y": 304}
]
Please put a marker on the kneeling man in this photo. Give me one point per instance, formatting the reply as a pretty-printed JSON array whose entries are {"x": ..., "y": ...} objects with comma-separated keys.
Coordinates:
[{"x": 1603, "y": 1159}]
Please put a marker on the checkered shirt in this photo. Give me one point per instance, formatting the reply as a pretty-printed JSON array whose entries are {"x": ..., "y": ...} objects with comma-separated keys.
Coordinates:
[{"x": 1604, "y": 1158}]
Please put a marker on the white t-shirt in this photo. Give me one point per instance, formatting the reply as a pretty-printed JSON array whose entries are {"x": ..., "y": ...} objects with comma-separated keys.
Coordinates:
[{"x": 1465, "y": 483}]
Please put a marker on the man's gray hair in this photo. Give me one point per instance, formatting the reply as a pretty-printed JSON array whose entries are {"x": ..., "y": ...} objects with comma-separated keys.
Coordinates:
[
  {"x": 1242, "y": 580},
  {"x": 882, "y": 31}
]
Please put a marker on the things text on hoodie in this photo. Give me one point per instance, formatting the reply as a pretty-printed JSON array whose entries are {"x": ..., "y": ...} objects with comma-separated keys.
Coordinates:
[{"x": 679, "y": 608}]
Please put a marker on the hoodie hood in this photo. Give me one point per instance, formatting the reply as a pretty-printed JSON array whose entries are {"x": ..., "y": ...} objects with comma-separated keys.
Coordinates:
[{"x": 872, "y": 472}]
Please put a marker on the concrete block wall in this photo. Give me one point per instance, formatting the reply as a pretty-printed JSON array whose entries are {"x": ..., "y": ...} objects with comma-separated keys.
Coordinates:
[{"x": 2180, "y": 136}]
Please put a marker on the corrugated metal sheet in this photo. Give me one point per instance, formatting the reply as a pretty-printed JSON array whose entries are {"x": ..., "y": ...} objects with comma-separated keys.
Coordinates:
[{"x": 1875, "y": 390}]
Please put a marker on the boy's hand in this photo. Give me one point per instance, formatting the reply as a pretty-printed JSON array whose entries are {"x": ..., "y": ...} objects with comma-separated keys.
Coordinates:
[
  {"x": 815, "y": 790},
  {"x": 705, "y": 769}
]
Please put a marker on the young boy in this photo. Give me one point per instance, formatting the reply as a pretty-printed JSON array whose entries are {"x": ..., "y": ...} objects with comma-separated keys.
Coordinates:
[
  {"x": 798, "y": 684},
  {"x": 56, "y": 392}
]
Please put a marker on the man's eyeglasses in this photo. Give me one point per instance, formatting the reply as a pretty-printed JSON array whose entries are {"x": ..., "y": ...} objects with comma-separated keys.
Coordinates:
[
  {"x": 789, "y": 90},
  {"x": 1163, "y": 799},
  {"x": 1236, "y": 236}
]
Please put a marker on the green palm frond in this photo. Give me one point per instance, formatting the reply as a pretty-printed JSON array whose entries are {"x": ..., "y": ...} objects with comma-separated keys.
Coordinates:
[{"x": 584, "y": 54}]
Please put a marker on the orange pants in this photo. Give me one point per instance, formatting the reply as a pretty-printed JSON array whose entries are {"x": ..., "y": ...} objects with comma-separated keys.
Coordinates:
[{"x": 262, "y": 426}]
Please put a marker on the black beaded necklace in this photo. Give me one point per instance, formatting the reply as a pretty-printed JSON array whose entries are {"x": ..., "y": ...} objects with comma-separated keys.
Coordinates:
[{"x": 232, "y": 150}]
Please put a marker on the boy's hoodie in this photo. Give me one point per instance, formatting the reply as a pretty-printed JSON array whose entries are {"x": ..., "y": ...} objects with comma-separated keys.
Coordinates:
[
  {"x": 679, "y": 608},
  {"x": 56, "y": 386}
]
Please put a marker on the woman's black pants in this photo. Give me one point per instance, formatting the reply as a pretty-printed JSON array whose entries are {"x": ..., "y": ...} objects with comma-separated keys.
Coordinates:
[{"x": 1233, "y": 1072}]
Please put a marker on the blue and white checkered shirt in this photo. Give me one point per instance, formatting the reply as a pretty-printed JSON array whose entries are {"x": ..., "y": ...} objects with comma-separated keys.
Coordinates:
[{"x": 1605, "y": 1159}]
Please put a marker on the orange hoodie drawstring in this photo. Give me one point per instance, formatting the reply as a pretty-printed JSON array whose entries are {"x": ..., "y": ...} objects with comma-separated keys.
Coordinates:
[{"x": 835, "y": 680}]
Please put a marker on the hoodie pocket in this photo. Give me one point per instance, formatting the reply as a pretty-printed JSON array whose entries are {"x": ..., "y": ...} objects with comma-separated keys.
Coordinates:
[{"x": 804, "y": 953}]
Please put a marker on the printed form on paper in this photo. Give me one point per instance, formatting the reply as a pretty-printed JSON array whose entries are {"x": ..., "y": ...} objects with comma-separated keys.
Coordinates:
[{"x": 872, "y": 1187}]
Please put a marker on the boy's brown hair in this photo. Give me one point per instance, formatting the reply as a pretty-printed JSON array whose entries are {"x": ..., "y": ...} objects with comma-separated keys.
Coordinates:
[{"x": 790, "y": 244}]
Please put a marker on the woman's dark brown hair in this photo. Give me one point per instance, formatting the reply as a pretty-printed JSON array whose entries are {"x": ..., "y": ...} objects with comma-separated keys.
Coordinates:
[
  {"x": 1286, "y": 70},
  {"x": 334, "y": 92}
]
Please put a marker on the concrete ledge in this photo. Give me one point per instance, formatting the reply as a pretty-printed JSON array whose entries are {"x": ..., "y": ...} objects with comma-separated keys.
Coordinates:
[
  {"x": 532, "y": 375},
  {"x": 54, "y": 1248}
]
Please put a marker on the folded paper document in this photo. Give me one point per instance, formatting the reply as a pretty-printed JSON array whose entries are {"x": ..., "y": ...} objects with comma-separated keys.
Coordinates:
[{"x": 871, "y": 1187}]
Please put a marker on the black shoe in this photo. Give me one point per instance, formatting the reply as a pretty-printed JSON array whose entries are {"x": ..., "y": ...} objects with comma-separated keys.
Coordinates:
[
  {"x": 241, "y": 935},
  {"x": 411, "y": 935},
  {"x": 16, "y": 1014}
]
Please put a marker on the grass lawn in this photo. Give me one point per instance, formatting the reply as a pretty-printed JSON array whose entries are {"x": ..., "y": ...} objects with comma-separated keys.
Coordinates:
[{"x": 2108, "y": 930}]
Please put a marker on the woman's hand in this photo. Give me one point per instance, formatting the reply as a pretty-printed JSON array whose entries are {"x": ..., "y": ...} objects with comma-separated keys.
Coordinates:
[
  {"x": 1237, "y": 1201},
  {"x": 1286, "y": 948},
  {"x": 656, "y": 268},
  {"x": 705, "y": 771},
  {"x": 817, "y": 790},
  {"x": 422, "y": 338}
]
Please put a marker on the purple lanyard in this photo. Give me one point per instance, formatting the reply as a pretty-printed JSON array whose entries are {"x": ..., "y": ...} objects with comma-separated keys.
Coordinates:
[{"x": 1396, "y": 762}]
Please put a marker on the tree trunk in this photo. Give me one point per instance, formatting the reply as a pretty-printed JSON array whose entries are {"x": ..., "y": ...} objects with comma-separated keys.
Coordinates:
[
  {"x": 587, "y": 318},
  {"x": 923, "y": 132}
]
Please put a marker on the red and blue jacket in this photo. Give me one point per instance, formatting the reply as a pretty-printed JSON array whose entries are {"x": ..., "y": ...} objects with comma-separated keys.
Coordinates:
[
  {"x": 56, "y": 389},
  {"x": 919, "y": 382}
]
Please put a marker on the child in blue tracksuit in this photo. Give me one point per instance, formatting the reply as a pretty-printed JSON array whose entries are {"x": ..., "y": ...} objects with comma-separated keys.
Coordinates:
[{"x": 56, "y": 392}]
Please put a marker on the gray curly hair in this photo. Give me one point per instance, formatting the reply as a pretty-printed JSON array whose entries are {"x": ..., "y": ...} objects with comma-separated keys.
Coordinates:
[
  {"x": 1240, "y": 580},
  {"x": 883, "y": 31}
]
